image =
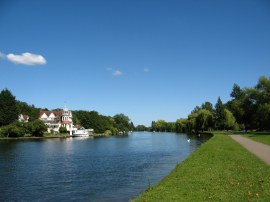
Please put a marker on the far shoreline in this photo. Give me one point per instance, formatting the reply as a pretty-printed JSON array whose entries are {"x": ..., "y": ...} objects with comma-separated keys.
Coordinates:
[{"x": 52, "y": 137}]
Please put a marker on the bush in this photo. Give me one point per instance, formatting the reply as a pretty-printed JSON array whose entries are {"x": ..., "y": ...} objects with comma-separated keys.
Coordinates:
[
  {"x": 36, "y": 128},
  {"x": 15, "y": 129},
  {"x": 62, "y": 129}
]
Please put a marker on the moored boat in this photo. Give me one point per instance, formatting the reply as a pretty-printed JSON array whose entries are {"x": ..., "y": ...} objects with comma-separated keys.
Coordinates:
[{"x": 81, "y": 132}]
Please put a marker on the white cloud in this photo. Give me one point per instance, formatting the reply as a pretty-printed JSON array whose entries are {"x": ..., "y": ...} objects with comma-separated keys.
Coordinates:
[
  {"x": 146, "y": 70},
  {"x": 115, "y": 72},
  {"x": 27, "y": 59}
]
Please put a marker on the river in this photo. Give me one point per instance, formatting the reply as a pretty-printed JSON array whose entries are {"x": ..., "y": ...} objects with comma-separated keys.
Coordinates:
[{"x": 85, "y": 169}]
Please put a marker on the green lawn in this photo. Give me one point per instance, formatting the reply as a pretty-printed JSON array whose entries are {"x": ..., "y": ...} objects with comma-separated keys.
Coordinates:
[
  {"x": 259, "y": 137},
  {"x": 220, "y": 170}
]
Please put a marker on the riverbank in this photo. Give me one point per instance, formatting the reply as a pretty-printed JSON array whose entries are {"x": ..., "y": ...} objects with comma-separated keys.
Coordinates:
[
  {"x": 49, "y": 136},
  {"x": 263, "y": 137},
  {"x": 220, "y": 170}
]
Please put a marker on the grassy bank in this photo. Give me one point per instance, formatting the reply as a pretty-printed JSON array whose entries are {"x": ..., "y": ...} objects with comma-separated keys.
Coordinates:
[
  {"x": 259, "y": 137},
  {"x": 220, "y": 170}
]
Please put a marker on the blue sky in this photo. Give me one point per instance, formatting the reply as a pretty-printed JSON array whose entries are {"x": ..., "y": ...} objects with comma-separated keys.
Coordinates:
[{"x": 148, "y": 59}]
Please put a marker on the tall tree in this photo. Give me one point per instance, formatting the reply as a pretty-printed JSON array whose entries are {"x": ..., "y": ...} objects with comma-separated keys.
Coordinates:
[
  {"x": 263, "y": 102},
  {"x": 29, "y": 110},
  {"x": 229, "y": 121},
  {"x": 180, "y": 125},
  {"x": 8, "y": 108},
  {"x": 208, "y": 106},
  {"x": 236, "y": 92},
  {"x": 122, "y": 122},
  {"x": 219, "y": 115}
]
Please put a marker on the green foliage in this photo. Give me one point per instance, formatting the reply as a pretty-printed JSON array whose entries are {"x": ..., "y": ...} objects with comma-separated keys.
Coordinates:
[
  {"x": 36, "y": 128},
  {"x": 208, "y": 106},
  {"x": 229, "y": 120},
  {"x": 220, "y": 170},
  {"x": 141, "y": 128},
  {"x": 203, "y": 120},
  {"x": 15, "y": 129},
  {"x": 108, "y": 132},
  {"x": 251, "y": 106},
  {"x": 219, "y": 115},
  {"x": 91, "y": 119},
  {"x": 101, "y": 124},
  {"x": 122, "y": 122},
  {"x": 8, "y": 108},
  {"x": 29, "y": 110},
  {"x": 160, "y": 125},
  {"x": 62, "y": 129},
  {"x": 181, "y": 126}
]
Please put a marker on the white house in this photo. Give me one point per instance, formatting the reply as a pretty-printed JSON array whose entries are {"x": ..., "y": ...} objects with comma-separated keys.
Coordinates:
[
  {"x": 57, "y": 118},
  {"x": 23, "y": 118}
]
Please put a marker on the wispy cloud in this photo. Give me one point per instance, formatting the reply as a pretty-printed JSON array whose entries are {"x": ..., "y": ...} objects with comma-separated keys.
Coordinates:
[
  {"x": 2, "y": 55},
  {"x": 146, "y": 70},
  {"x": 26, "y": 59},
  {"x": 115, "y": 72}
]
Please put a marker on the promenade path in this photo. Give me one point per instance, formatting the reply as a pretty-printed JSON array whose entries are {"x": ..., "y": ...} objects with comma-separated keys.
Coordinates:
[{"x": 259, "y": 149}]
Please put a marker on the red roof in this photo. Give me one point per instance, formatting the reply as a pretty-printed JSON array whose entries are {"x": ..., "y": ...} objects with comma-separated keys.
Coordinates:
[{"x": 57, "y": 113}]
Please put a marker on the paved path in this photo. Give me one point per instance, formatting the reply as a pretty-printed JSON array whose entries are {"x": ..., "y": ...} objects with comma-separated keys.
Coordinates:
[{"x": 259, "y": 149}]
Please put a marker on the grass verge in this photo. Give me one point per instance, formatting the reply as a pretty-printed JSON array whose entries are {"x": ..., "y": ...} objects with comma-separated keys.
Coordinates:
[
  {"x": 259, "y": 137},
  {"x": 220, "y": 170}
]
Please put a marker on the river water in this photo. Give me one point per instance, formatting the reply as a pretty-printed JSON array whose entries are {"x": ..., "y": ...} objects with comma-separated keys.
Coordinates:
[{"x": 85, "y": 169}]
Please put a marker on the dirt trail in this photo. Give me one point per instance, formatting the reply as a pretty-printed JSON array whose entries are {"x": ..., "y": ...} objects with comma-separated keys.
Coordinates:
[{"x": 259, "y": 149}]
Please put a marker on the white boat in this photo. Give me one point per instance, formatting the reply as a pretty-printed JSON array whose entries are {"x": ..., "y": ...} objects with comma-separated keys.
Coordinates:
[{"x": 81, "y": 132}]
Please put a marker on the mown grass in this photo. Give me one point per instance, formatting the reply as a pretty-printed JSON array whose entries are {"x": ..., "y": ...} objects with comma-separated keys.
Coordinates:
[
  {"x": 262, "y": 137},
  {"x": 220, "y": 170}
]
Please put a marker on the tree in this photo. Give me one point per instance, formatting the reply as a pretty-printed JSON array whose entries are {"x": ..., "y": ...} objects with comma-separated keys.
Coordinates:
[
  {"x": 132, "y": 127},
  {"x": 36, "y": 127},
  {"x": 170, "y": 126},
  {"x": 180, "y": 125},
  {"x": 15, "y": 129},
  {"x": 229, "y": 121},
  {"x": 237, "y": 92},
  {"x": 161, "y": 125},
  {"x": 62, "y": 129},
  {"x": 8, "y": 108},
  {"x": 208, "y": 106},
  {"x": 263, "y": 102},
  {"x": 141, "y": 128},
  {"x": 29, "y": 110},
  {"x": 219, "y": 115},
  {"x": 122, "y": 122},
  {"x": 153, "y": 126},
  {"x": 203, "y": 120}
]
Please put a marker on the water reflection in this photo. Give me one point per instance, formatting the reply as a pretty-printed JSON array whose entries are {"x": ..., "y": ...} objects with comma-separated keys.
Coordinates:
[{"x": 102, "y": 169}]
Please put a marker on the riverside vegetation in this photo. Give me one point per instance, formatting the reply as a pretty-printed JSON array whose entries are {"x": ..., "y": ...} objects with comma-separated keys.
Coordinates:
[
  {"x": 220, "y": 170},
  {"x": 249, "y": 109},
  {"x": 10, "y": 108}
]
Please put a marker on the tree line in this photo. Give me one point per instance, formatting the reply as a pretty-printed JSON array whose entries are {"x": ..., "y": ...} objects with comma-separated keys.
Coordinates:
[
  {"x": 10, "y": 108},
  {"x": 118, "y": 124},
  {"x": 248, "y": 109}
]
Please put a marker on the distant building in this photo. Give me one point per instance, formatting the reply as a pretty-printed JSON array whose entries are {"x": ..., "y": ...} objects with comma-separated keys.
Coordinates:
[
  {"x": 23, "y": 118},
  {"x": 56, "y": 119}
]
